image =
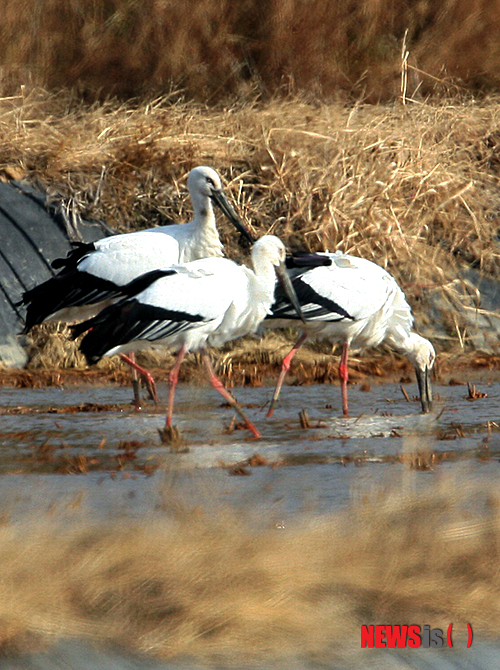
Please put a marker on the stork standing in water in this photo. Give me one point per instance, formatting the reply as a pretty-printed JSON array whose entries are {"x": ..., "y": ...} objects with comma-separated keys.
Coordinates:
[
  {"x": 187, "y": 307},
  {"x": 360, "y": 304},
  {"x": 93, "y": 275}
]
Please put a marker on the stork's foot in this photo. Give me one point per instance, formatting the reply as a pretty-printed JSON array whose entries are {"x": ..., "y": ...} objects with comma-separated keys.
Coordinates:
[
  {"x": 270, "y": 411},
  {"x": 252, "y": 429},
  {"x": 171, "y": 435}
]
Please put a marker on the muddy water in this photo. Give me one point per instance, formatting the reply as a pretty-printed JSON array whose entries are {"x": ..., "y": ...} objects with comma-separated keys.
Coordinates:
[{"x": 117, "y": 458}]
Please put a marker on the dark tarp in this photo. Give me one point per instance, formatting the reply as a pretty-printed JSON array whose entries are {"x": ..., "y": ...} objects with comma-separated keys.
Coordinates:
[{"x": 32, "y": 235}]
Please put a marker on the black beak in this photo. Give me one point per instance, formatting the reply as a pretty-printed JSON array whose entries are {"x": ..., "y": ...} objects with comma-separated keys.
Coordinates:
[
  {"x": 225, "y": 206},
  {"x": 287, "y": 285},
  {"x": 424, "y": 387}
]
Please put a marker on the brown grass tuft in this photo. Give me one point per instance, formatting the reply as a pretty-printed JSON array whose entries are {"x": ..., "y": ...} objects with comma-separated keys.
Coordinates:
[{"x": 50, "y": 346}]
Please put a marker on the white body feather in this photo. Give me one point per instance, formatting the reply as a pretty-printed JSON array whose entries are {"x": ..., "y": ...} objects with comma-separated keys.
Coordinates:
[
  {"x": 231, "y": 300},
  {"x": 366, "y": 292},
  {"x": 121, "y": 258}
]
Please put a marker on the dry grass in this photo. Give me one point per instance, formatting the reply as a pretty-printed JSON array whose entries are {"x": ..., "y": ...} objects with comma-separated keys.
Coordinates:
[
  {"x": 215, "y": 49},
  {"x": 413, "y": 187},
  {"x": 212, "y": 584}
]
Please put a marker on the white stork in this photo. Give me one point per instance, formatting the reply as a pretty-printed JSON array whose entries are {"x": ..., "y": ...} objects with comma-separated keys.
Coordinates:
[
  {"x": 358, "y": 303},
  {"x": 93, "y": 275},
  {"x": 187, "y": 307}
]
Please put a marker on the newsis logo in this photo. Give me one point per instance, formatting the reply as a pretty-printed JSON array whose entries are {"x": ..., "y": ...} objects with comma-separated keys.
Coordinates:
[{"x": 390, "y": 637}]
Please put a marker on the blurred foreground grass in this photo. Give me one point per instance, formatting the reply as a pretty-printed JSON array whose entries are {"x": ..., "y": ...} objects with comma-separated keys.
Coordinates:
[{"x": 215, "y": 584}]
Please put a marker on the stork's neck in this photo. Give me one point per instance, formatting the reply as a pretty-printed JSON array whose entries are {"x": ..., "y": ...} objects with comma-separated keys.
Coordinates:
[
  {"x": 265, "y": 275},
  {"x": 203, "y": 211},
  {"x": 415, "y": 347},
  {"x": 400, "y": 339},
  {"x": 205, "y": 236}
]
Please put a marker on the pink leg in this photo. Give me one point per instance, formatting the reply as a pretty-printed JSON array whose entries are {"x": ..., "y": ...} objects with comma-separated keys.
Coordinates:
[
  {"x": 218, "y": 385},
  {"x": 344, "y": 376},
  {"x": 172, "y": 380},
  {"x": 285, "y": 366},
  {"x": 145, "y": 374}
]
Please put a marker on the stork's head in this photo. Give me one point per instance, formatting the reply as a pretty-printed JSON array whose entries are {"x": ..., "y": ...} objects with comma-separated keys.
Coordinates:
[
  {"x": 204, "y": 182},
  {"x": 270, "y": 248},
  {"x": 422, "y": 355}
]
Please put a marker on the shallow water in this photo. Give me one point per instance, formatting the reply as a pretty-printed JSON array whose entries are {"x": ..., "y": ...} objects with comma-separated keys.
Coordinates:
[{"x": 119, "y": 457}]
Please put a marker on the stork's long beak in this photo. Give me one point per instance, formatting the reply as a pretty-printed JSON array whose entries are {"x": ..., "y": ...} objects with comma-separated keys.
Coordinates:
[
  {"x": 286, "y": 282},
  {"x": 220, "y": 199},
  {"x": 425, "y": 389}
]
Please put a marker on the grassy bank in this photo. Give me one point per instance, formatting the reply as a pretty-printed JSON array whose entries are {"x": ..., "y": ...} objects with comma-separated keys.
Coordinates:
[{"x": 412, "y": 187}]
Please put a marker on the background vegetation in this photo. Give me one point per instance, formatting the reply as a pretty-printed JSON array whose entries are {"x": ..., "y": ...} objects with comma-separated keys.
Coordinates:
[
  {"x": 412, "y": 187},
  {"x": 209, "y": 49}
]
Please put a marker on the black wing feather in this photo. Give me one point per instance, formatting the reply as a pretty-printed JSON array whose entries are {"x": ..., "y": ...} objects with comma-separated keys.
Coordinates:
[
  {"x": 74, "y": 256},
  {"x": 305, "y": 259},
  {"x": 313, "y": 304},
  {"x": 67, "y": 289},
  {"x": 76, "y": 288},
  {"x": 127, "y": 321}
]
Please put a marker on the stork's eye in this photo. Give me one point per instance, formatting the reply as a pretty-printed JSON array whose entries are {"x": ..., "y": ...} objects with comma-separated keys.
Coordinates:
[{"x": 210, "y": 182}]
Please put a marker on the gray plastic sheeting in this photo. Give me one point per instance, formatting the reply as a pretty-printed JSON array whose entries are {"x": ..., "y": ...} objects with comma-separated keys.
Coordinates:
[{"x": 32, "y": 235}]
